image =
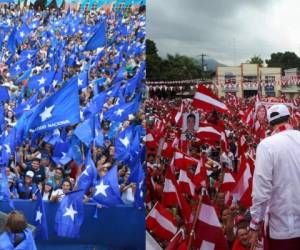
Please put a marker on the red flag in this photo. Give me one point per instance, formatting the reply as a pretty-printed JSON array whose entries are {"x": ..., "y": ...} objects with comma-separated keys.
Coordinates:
[
  {"x": 161, "y": 222},
  {"x": 185, "y": 182},
  {"x": 208, "y": 132},
  {"x": 242, "y": 190},
  {"x": 178, "y": 242},
  {"x": 200, "y": 176},
  {"x": 183, "y": 161},
  {"x": 208, "y": 231},
  {"x": 206, "y": 100},
  {"x": 248, "y": 117},
  {"x": 172, "y": 197}
]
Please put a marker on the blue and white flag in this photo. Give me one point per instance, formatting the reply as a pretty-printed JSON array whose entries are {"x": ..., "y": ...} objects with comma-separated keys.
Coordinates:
[
  {"x": 40, "y": 220},
  {"x": 98, "y": 39},
  {"x": 70, "y": 215},
  {"x": 107, "y": 190},
  {"x": 89, "y": 175},
  {"x": 59, "y": 110}
]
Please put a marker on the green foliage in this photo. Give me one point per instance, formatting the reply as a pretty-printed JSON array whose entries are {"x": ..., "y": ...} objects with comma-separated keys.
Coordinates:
[
  {"x": 174, "y": 67},
  {"x": 284, "y": 60},
  {"x": 257, "y": 60}
]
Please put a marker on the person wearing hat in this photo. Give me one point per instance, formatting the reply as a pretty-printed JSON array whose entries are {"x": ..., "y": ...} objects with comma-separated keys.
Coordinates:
[
  {"x": 26, "y": 188},
  {"x": 12, "y": 189},
  {"x": 276, "y": 178}
]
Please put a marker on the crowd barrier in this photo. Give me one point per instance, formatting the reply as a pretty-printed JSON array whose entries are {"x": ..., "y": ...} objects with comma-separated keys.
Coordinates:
[{"x": 121, "y": 227}]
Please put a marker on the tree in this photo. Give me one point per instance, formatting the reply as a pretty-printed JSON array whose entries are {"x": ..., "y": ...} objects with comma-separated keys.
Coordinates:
[
  {"x": 153, "y": 65},
  {"x": 284, "y": 60},
  {"x": 173, "y": 67},
  {"x": 256, "y": 60}
]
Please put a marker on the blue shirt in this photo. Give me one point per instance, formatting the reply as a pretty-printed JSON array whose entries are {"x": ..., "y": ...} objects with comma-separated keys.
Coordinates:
[{"x": 25, "y": 191}]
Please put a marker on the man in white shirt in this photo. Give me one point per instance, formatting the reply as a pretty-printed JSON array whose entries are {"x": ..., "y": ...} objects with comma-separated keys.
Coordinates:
[{"x": 276, "y": 181}]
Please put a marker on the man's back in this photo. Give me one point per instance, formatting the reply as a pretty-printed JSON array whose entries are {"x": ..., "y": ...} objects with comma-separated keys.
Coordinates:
[{"x": 277, "y": 179}]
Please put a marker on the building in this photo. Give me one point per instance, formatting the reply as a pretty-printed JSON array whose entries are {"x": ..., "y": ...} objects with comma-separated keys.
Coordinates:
[
  {"x": 290, "y": 83},
  {"x": 247, "y": 80}
]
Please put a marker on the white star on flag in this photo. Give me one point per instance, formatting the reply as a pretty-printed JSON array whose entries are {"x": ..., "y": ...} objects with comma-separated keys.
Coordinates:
[
  {"x": 54, "y": 83},
  {"x": 28, "y": 56},
  {"x": 39, "y": 216},
  {"x": 80, "y": 82},
  {"x": 17, "y": 67},
  {"x": 70, "y": 212},
  {"x": 63, "y": 154},
  {"x": 27, "y": 107},
  {"x": 42, "y": 81},
  {"x": 100, "y": 189},
  {"x": 119, "y": 112},
  {"x": 125, "y": 141},
  {"x": 22, "y": 34},
  {"x": 85, "y": 172},
  {"x": 7, "y": 148},
  {"x": 47, "y": 113}
]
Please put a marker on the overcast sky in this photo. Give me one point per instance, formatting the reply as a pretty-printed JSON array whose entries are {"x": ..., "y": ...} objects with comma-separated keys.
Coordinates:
[{"x": 230, "y": 31}]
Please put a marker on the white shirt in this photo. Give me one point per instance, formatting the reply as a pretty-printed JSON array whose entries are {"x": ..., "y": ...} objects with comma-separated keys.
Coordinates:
[{"x": 276, "y": 182}]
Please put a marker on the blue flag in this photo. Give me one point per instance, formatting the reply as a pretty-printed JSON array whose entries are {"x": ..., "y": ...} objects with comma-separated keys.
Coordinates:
[
  {"x": 25, "y": 76},
  {"x": 4, "y": 191},
  {"x": 84, "y": 132},
  {"x": 137, "y": 176},
  {"x": 53, "y": 137},
  {"x": 4, "y": 96},
  {"x": 98, "y": 39},
  {"x": 122, "y": 111},
  {"x": 40, "y": 220},
  {"x": 43, "y": 79},
  {"x": 59, "y": 110},
  {"x": 11, "y": 43},
  {"x": 19, "y": 67},
  {"x": 70, "y": 215},
  {"x": 107, "y": 191},
  {"x": 89, "y": 175},
  {"x": 123, "y": 144},
  {"x": 76, "y": 150},
  {"x": 83, "y": 79},
  {"x": 26, "y": 106},
  {"x": 22, "y": 33},
  {"x": 60, "y": 154}
]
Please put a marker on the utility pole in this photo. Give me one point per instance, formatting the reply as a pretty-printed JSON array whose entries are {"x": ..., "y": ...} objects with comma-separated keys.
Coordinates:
[{"x": 202, "y": 65}]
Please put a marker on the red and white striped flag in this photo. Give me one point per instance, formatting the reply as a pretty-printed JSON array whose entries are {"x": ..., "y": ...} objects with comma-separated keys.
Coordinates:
[
  {"x": 185, "y": 182},
  {"x": 206, "y": 100},
  {"x": 182, "y": 160},
  {"x": 248, "y": 117},
  {"x": 209, "y": 234},
  {"x": 171, "y": 196},
  {"x": 178, "y": 242},
  {"x": 161, "y": 222},
  {"x": 242, "y": 190},
  {"x": 209, "y": 132}
]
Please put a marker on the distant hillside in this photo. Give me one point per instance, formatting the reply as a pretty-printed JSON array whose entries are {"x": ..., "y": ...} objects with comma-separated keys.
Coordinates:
[{"x": 210, "y": 63}]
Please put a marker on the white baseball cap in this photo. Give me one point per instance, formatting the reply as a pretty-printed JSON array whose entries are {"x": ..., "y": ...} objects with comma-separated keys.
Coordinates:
[
  {"x": 30, "y": 173},
  {"x": 277, "y": 111}
]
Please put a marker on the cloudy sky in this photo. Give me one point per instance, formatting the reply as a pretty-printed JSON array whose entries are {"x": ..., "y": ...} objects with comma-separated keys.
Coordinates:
[{"x": 230, "y": 31}]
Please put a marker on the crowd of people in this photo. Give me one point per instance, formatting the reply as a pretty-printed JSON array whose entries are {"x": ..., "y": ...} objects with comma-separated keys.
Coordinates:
[
  {"x": 198, "y": 158},
  {"x": 36, "y": 43}
]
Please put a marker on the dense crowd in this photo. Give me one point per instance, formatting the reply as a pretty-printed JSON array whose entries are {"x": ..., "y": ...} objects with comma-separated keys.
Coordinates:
[
  {"x": 54, "y": 41},
  {"x": 198, "y": 158}
]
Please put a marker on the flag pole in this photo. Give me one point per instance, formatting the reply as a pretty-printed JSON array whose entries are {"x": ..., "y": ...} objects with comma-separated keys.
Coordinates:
[{"x": 192, "y": 233}]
